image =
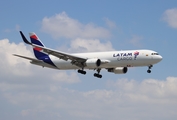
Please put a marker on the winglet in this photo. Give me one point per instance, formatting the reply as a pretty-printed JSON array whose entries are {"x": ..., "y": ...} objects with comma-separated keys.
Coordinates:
[{"x": 24, "y": 38}]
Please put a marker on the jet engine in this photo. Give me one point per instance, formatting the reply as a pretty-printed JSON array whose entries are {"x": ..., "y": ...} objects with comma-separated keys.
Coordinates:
[
  {"x": 118, "y": 70},
  {"x": 93, "y": 63}
]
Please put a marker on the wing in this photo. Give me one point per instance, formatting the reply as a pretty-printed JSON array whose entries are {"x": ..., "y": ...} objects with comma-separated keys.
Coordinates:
[{"x": 76, "y": 60}]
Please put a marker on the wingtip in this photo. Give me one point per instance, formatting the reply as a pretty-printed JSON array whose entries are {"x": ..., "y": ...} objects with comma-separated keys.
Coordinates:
[
  {"x": 24, "y": 38},
  {"x": 21, "y": 33},
  {"x": 15, "y": 55}
]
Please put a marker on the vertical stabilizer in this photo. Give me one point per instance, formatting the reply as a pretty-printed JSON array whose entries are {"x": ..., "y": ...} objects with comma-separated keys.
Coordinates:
[{"x": 39, "y": 54}]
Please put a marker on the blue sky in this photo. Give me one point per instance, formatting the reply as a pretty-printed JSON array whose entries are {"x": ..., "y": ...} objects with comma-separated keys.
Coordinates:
[{"x": 31, "y": 92}]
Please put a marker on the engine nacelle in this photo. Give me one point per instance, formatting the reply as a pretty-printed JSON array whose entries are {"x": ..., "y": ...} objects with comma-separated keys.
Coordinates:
[
  {"x": 93, "y": 63},
  {"x": 118, "y": 70}
]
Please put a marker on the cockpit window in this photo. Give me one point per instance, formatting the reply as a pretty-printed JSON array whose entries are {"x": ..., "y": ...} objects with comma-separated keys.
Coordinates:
[{"x": 154, "y": 54}]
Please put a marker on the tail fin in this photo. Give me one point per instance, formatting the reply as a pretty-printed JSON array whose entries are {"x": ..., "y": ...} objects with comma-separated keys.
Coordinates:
[{"x": 39, "y": 54}]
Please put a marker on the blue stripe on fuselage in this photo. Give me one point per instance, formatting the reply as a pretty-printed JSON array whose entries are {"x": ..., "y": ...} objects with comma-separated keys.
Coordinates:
[
  {"x": 39, "y": 55},
  {"x": 49, "y": 61},
  {"x": 44, "y": 57}
]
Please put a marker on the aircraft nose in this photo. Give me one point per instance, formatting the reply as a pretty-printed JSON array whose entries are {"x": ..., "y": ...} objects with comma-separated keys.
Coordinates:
[{"x": 160, "y": 58}]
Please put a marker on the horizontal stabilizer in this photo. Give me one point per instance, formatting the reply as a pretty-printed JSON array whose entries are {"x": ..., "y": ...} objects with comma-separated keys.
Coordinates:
[
  {"x": 28, "y": 58},
  {"x": 36, "y": 62}
]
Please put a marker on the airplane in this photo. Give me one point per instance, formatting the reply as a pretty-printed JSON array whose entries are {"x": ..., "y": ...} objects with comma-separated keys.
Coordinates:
[{"x": 116, "y": 62}]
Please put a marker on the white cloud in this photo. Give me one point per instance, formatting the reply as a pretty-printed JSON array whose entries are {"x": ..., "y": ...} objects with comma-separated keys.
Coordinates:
[
  {"x": 136, "y": 40},
  {"x": 63, "y": 77},
  {"x": 85, "y": 36},
  {"x": 110, "y": 23},
  {"x": 15, "y": 66},
  {"x": 90, "y": 45},
  {"x": 170, "y": 16},
  {"x": 61, "y": 25},
  {"x": 42, "y": 94},
  {"x": 7, "y": 30},
  {"x": 16, "y": 28},
  {"x": 10, "y": 64},
  {"x": 149, "y": 90},
  {"x": 127, "y": 99}
]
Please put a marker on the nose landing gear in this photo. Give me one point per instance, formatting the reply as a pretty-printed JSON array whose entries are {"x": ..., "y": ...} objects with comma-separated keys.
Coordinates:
[{"x": 149, "y": 68}]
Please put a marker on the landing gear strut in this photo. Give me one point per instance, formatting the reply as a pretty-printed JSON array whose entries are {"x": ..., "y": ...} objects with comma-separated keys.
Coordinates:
[
  {"x": 97, "y": 74},
  {"x": 82, "y": 72},
  {"x": 149, "y": 68}
]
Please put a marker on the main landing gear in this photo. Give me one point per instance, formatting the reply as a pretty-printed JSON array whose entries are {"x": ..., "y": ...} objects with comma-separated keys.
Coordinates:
[
  {"x": 149, "y": 68},
  {"x": 82, "y": 72},
  {"x": 97, "y": 74}
]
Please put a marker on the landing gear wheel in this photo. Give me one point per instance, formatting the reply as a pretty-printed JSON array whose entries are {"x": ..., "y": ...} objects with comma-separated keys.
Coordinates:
[
  {"x": 148, "y": 71},
  {"x": 82, "y": 72},
  {"x": 100, "y": 76},
  {"x": 149, "y": 68},
  {"x": 97, "y": 75}
]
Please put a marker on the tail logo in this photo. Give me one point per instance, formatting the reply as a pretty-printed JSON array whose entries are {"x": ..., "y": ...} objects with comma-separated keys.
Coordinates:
[{"x": 136, "y": 54}]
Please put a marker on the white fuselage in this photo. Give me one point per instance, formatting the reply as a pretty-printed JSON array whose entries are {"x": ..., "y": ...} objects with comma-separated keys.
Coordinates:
[
  {"x": 114, "y": 61},
  {"x": 128, "y": 58}
]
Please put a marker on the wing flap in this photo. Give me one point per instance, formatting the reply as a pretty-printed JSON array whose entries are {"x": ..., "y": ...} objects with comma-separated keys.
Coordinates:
[{"x": 59, "y": 54}]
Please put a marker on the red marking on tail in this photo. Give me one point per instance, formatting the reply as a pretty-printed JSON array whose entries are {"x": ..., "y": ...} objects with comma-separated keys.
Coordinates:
[
  {"x": 34, "y": 37},
  {"x": 37, "y": 48}
]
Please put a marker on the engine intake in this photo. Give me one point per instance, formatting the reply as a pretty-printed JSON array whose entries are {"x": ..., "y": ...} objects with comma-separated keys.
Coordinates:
[
  {"x": 93, "y": 63},
  {"x": 118, "y": 70}
]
